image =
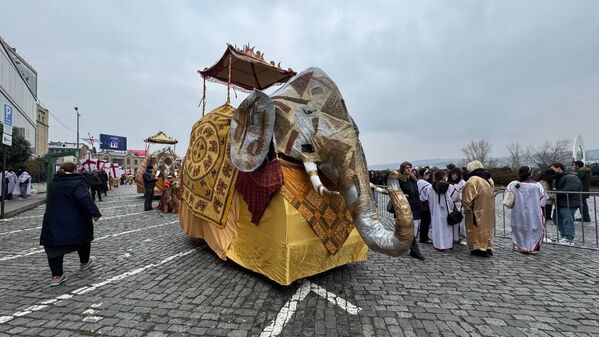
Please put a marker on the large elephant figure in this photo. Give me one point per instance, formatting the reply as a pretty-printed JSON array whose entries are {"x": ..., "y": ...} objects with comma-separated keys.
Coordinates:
[
  {"x": 307, "y": 120},
  {"x": 279, "y": 184}
]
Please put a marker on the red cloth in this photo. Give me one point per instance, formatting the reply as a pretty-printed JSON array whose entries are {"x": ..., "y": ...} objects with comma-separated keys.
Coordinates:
[{"x": 258, "y": 187}]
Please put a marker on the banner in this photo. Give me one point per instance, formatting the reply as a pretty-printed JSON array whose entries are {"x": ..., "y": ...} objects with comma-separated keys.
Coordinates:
[{"x": 110, "y": 142}]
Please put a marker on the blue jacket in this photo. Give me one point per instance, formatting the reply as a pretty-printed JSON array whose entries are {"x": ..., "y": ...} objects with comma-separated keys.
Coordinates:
[{"x": 69, "y": 212}]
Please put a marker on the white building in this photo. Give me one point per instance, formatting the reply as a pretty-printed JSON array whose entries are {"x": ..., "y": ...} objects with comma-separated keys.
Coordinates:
[{"x": 18, "y": 90}]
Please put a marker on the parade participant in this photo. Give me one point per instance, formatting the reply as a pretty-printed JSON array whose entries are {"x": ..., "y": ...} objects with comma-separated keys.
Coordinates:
[
  {"x": 68, "y": 221},
  {"x": 455, "y": 179},
  {"x": 149, "y": 184},
  {"x": 12, "y": 182},
  {"x": 479, "y": 209},
  {"x": 528, "y": 223},
  {"x": 23, "y": 186},
  {"x": 441, "y": 200},
  {"x": 425, "y": 213}
]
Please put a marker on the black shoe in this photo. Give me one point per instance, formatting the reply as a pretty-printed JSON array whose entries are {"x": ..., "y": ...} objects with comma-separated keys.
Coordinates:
[
  {"x": 490, "y": 252},
  {"x": 415, "y": 251},
  {"x": 427, "y": 241},
  {"x": 478, "y": 252},
  {"x": 578, "y": 219}
]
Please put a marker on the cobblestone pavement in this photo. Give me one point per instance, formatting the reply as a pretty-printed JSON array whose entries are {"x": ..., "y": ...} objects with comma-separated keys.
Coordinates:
[{"x": 150, "y": 279}]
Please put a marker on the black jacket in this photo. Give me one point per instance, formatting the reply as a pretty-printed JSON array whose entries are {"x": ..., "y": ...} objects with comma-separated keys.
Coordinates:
[
  {"x": 69, "y": 212},
  {"x": 103, "y": 177},
  {"x": 409, "y": 187},
  {"x": 584, "y": 174},
  {"x": 569, "y": 182},
  {"x": 93, "y": 179},
  {"x": 149, "y": 181}
]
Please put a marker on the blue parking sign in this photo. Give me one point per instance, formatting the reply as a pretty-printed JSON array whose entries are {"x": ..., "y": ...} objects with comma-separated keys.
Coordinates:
[{"x": 7, "y": 114}]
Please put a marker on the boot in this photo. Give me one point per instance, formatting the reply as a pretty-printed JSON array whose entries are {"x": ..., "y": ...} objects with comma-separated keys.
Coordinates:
[{"x": 415, "y": 251}]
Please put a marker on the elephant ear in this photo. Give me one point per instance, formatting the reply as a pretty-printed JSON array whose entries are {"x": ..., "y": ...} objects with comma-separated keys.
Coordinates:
[{"x": 251, "y": 131}]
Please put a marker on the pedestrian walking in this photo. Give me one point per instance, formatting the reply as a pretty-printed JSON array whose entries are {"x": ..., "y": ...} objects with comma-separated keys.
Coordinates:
[
  {"x": 149, "y": 184},
  {"x": 104, "y": 180},
  {"x": 567, "y": 202},
  {"x": 68, "y": 221},
  {"x": 479, "y": 209},
  {"x": 584, "y": 174},
  {"x": 527, "y": 220},
  {"x": 95, "y": 185}
]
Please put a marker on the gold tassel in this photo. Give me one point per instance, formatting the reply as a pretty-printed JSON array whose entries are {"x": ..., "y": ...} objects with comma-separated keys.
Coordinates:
[{"x": 229, "y": 82}]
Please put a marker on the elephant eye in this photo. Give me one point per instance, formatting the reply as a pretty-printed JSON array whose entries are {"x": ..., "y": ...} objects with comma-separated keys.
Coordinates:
[
  {"x": 307, "y": 111},
  {"x": 307, "y": 148}
]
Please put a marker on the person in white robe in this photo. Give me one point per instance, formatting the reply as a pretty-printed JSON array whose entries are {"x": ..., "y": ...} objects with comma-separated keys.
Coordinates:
[
  {"x": 456, "y": 180},
  {"x": 528, "y": 221},
  {"x": 425, "y": 213},
  {"x": 23, "y": 186},
  {"x": 12, "y": 182},
  {"x": 441, "y": 200}
]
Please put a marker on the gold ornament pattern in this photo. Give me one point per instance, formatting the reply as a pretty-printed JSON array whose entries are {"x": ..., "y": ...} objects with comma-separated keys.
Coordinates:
[{"x": 208, "y": 175}]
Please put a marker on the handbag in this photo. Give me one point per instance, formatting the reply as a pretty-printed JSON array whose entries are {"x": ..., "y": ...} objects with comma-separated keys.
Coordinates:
[
  {"x": 509, "y": 199},
  {"x": 454, "y": 217}
]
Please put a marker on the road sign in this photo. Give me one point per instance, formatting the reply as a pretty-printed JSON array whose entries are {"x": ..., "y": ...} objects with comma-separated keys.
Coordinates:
[
  {"x": 6, "y": 139},
  {"x": 7, "y": 114},
  {"x": 7, "y": 129}
]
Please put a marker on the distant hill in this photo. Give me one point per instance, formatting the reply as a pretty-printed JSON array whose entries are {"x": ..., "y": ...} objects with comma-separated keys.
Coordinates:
[{"x": 592, "y": 155}]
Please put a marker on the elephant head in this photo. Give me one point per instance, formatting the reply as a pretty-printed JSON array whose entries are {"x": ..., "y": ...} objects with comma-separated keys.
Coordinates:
[{"x": 306, "y": 119}]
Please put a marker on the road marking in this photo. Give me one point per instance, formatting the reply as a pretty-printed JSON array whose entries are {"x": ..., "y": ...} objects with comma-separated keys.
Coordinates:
[
  {"x": 36, "y": 251},
  {"x": 101, "y": 219},
  {"x": 87, "y": 289},
  {"x": 289, "y": 308},
  {"x": 41, "y": 215}
]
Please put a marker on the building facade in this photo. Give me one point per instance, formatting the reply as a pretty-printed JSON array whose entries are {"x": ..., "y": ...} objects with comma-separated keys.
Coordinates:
[
  {"x": 41, "y": 135},
  {"x": 124, "y": 159},
  {"x": 18, "y": 92},
  {"x": 60, "y": 147}
]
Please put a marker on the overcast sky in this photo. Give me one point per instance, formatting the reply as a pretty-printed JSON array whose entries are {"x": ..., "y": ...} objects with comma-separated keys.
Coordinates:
[{"x": 420, "y": 78}]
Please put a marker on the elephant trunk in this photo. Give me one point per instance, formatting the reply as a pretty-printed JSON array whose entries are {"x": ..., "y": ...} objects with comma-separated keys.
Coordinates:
[{"x": 379, "y": 236}]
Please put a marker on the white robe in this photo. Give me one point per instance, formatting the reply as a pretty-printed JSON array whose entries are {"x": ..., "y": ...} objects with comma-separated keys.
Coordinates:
[
  {"x": 528, "y": 222},
  {"x": 22, "y": 178},
  {"x": 12, "y": 181},
  {"x": 460, "y": 234},
  {"x": 443, "y": 234}
]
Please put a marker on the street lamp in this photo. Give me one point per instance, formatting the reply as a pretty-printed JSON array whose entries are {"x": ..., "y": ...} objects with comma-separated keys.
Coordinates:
[{"x": 78, "y": 154}]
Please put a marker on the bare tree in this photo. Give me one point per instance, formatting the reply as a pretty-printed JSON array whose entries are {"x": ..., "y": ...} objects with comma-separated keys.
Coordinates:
[
  {"x": 547, "y": 153},
  {"x": 517, "y": 155},
  {"x": 477, "y": 150}
]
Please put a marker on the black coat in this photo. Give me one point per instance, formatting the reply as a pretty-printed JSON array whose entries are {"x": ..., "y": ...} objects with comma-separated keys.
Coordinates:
[
  {"x": 568, "y": 182},
  {"x": 409, "y": 187},
  {"x": 149, "y": 181},
  {"x": 69, "y": 212}
]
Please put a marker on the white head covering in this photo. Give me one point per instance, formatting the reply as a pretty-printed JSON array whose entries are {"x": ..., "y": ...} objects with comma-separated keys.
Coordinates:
[{"x": 473, "y": 165}]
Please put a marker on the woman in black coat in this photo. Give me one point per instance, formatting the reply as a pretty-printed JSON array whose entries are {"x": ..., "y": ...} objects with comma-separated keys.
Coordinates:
[{"x": 68, "y": 220}]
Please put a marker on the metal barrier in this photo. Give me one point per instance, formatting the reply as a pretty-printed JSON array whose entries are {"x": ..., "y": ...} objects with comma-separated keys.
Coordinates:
[{"x": 586, "y": 233}]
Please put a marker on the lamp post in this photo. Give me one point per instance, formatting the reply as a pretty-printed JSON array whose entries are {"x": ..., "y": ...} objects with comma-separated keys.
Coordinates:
[{"x": 78, "y": 154}]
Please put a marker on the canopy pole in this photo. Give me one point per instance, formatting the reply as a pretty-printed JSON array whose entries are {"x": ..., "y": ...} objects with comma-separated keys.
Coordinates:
[
  {"x": 204, "y": 98},
  {"x": 229, "y": 82}
]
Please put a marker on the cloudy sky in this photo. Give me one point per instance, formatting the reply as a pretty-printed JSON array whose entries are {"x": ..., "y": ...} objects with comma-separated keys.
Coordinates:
[{"x": 421, "y": 78}]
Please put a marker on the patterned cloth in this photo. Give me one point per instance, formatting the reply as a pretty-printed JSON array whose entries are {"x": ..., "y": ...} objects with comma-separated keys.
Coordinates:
[
  {"x": 258, "y": 187},
  {"x": 208, "y": 176},
  {"x": 327, "y": 215}
]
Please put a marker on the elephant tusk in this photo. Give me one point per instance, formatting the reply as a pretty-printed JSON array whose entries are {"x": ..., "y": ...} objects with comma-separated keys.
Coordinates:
[
  {"x": 312, "y": 171},
  {"x": 378, "y": 189}
]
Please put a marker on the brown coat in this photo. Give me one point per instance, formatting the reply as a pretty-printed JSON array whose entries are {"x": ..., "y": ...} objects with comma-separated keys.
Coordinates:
[{"x": 479, "y": 208}]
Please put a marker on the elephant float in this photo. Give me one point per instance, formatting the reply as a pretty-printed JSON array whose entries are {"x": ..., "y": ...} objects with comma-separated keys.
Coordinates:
[{"x": 280, "y": 185}]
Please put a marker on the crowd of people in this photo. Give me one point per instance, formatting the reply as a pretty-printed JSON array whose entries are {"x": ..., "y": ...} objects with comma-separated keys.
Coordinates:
[
  {"x": 457, "y": 205},
  {"x": 16, "y": 184}
]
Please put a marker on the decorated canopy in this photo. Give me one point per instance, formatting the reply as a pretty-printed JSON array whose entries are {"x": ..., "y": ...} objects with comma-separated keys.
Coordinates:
[
  {"x": 161, "y": 138},
  {"x": 249, "y": 70}
]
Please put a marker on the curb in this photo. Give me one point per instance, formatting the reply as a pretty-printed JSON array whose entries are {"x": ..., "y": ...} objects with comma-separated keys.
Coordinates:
[{"x": 23, "y": 209}]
